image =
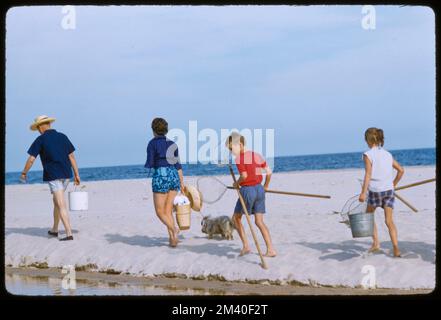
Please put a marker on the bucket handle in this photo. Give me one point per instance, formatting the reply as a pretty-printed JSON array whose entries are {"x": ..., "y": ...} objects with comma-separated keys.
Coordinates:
[{"x": 76, "y": 187}]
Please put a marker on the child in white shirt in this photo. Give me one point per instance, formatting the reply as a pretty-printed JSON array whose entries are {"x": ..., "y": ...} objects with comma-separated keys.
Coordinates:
[{"x": 379, "y": 183}]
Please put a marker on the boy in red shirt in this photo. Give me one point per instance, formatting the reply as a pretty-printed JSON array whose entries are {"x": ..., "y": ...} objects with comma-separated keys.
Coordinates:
[{"x": 250, "y": 166}]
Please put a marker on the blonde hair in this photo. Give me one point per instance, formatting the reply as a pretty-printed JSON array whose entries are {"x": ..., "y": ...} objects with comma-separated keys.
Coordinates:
[
  {"x": 234, "y": 138},
  {"x": 374, "y": 136},
  {"x": 380, "y": 136}
]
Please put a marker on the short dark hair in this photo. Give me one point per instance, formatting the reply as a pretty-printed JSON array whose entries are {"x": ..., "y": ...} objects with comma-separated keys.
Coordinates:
[{"x": 160, "y": 126}]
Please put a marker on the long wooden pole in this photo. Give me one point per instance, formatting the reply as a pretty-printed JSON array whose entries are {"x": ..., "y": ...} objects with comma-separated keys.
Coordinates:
[
  {"x": 415, "y": 184},
  {"x": 406, "y": 203},
  {"x": 293, "y": 193},
  {"x": 247, "y": 215}
]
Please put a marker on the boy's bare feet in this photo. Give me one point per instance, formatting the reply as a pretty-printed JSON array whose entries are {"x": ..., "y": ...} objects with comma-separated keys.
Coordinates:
[
  {"x": 244, "y": 251},
  {"x": 270, "y": 254},
  {"x": 397, "y": 253}
]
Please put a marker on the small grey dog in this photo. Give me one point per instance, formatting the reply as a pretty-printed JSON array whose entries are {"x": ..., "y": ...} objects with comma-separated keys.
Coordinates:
[{"x": 222, "y": 225}]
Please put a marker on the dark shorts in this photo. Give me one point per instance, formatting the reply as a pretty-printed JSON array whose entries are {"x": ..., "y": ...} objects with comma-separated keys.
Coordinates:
[
  {"x": 165, "y": 179},
  {"x": 254, "y": 198},
  {"x": 381, "y": 199}
]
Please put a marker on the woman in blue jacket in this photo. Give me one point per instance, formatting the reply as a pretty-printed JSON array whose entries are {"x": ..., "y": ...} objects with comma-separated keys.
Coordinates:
[{"x": 167, "y": 178}]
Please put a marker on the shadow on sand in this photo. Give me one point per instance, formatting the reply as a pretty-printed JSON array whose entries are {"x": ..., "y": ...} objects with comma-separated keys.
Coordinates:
[
  {"x": 352, "y": 248},
  {"x": 220, "y": 248},
  {"x": 217, "y": 249},
  {"x": 34, "y": 231},
  {"x": 142, "y": 241}
]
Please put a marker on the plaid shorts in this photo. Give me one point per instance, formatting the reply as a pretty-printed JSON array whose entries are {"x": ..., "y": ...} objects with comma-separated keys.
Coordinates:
[{"x": 381, "y": 199}]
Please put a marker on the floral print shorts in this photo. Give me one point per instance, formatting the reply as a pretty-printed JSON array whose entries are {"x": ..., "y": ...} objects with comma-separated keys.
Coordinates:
[{"x": 165, "y": 179}]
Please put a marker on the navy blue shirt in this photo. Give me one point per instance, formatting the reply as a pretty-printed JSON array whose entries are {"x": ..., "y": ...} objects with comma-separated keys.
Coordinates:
[
  {"x": 162, "y": 152},
  {"x": 54, "y": 149}
]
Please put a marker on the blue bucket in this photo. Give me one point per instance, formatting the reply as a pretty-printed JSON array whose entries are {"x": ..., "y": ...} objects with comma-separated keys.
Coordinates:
[{"x": 362, "y": 224}]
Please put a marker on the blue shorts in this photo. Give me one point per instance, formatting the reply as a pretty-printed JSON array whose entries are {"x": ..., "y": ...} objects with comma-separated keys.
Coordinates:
[
  {"x": 254, "y": 198},
  {"x": 381, "y": 199},
  {"x": 59, "y": 184},
  {"x": 165, "y": 179}
]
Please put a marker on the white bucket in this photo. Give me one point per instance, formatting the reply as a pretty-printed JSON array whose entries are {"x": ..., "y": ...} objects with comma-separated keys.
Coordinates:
[{"x": 78, "y": 200}]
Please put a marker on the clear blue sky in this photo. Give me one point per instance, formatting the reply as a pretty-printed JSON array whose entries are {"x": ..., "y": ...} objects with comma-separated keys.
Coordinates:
[{"x": 311, "y": 73}]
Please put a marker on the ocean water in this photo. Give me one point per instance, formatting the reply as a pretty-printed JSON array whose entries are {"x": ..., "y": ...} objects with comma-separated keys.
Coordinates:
[
  {"x": 22, "y": 285},
  {"x": 410, "y": 157}
]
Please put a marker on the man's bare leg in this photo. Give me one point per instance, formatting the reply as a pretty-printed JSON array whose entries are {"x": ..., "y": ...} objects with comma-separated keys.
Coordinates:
[
  {"x": 56, "y": 218},
  {"x": 60, "y": 204}
]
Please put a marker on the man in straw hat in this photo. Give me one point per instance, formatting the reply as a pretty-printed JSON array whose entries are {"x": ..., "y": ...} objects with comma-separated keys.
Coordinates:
[{"x": 57, "y": 158}]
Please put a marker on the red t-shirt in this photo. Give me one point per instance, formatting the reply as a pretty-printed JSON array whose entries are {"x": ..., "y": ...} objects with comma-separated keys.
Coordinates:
[{"x": 251, "y": 163}]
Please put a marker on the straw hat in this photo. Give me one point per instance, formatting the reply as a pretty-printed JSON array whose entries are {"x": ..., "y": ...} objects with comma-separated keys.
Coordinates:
[
  {"x": 195, "y": 197},
  {"x": 40, "y": 120}
]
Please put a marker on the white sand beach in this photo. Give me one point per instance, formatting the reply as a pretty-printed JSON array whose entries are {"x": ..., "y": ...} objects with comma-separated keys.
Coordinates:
[{"x": 121, "y": 233}]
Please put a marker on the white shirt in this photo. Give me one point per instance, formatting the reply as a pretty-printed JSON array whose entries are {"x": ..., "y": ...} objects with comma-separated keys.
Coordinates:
[{"x": 382, "y": 170}]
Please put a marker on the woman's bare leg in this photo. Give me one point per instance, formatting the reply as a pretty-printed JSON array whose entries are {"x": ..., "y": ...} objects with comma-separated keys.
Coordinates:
[
  {"x": 169, "y": 213},
  {"x": 159, "y": 200},
  {"x": 375, "y": 243},
  {"x": 392, "y": 230}
]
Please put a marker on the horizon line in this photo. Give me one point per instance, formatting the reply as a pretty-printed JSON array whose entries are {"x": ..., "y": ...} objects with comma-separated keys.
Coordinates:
[{"x": 281, "y": 156}]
